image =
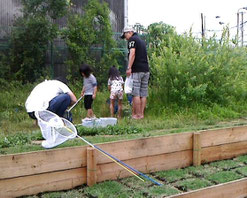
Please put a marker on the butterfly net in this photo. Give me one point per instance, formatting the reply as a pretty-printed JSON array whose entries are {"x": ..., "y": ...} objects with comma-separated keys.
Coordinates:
[{"x": 55, "y": 130}]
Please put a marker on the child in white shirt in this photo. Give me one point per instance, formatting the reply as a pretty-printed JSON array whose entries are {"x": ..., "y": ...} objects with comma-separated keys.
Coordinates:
[{"x": 115, "y": 85}]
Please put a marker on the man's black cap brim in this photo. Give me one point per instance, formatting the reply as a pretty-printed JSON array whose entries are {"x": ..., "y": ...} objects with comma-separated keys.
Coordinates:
[{"x": 122, "y": 36}]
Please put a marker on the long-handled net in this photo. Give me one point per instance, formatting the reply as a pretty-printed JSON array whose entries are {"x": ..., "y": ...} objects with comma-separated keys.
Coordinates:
[{"x": 57, "y": 130}]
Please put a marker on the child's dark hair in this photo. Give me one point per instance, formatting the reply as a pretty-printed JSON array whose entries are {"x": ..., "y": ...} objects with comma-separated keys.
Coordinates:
[
  {"x": 114, "y": 74},
  {"x": 62, "y": 79},
  {"x": 85, "y": 69}
]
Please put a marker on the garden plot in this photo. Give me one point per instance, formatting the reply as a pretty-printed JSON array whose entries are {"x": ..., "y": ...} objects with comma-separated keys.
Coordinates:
[
  {"x": 175, "y": 182},
  {"x": 167, "y": 159}
]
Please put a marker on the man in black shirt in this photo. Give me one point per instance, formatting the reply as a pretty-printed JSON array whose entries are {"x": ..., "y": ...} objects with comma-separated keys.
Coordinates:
[{"x": 139, "y": 69}]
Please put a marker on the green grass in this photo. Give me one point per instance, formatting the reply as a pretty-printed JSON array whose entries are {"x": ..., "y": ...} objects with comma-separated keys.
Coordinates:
[
  {"x": 135, "y": 183},
  {"x": 242, "y": 171},
  {"x": 225, "y": 164},
  {"x": 108, "y": 189},
  {"x": 161, "y": 191},
  {"x": 201, "y": 171},
  {"x": 173, "y": 175},
  {"x": 192, "y": 184},
  {"x": 242, "y": 158},
  {"x": 17, "y": 130},
  {"x": 125, "y": 130},
  {"x": 223, "y": 177}
]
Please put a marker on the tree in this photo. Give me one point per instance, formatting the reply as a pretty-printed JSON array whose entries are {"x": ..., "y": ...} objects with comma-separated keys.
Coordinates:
[{"x": 89, "y": 38}]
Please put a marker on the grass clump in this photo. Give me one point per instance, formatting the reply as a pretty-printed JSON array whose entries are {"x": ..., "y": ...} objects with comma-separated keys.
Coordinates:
[
  {"x": 242, "y": 171},
  {"x": 201, "y": 171},
  {"x": 173, "y": 175},
  {"x": 109, "y": 130},
  {"x": 223, "y": 177},
  {"x": 225, "y": 164},
  {"x": 192, "y": 184},
  {"x": 19, "y": 139},
  {"x": 135, "y": 183},
  {"x": 161, "y": 191},
  {"x": 242, "y": 158},
  {"x": 108, "y": 189}
]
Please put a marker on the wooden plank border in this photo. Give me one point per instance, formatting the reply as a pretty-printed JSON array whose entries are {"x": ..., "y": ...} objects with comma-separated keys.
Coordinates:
[
  {"x": 31, "y": 163},
  {"x": 225, "y": 151},
  {"x": 34, "y": 184},
  {"x": 232, "y": 189}
]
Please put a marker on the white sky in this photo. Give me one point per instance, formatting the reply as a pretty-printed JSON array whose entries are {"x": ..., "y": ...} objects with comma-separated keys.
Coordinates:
[{"x": 186, "y": 13}]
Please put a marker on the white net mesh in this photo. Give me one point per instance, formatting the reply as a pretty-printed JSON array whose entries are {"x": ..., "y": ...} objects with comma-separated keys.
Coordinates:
[{"x": 55, "y": 130}]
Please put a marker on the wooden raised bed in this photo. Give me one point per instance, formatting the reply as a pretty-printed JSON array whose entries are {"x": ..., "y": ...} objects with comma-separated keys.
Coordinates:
[
  {"x": 65, "y": 168},
  {"x": 234, "y": 189}
]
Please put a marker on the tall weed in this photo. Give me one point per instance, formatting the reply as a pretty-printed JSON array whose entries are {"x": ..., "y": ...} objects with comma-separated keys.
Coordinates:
[{"x": 186, "y": 71}]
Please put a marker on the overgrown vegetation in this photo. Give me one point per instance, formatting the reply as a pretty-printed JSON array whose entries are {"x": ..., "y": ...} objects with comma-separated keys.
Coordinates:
[
  {"x": 89, "y": 38},
  {"x": 187, "y": 72},
  {"x": 15, "y": 121}
]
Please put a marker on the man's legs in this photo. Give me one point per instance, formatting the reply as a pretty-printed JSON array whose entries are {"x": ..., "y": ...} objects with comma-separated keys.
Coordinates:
[
  {"x": 143, "y": 106},
  {"x": 136, "y": 95},
  {"x": 143, "y": 93},
  {"x": 140, "y": 92},
  {"x": 139, "y": 105},
  {"x": 136, "y": 107},
  {"x": 59, "y": 104}
]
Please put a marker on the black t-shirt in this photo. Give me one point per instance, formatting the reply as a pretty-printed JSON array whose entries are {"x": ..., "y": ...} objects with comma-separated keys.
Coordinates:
[{"x": 141, "y": 62}]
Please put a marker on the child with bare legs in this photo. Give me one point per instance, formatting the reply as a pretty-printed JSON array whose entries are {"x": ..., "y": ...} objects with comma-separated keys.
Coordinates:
[
  {"x": 115, "y": 85},
  {"x": 89, "y": 89}
]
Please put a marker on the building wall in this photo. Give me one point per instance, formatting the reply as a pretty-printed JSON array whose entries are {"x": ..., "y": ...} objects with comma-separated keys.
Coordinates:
[{"x": 9, "y": 9}]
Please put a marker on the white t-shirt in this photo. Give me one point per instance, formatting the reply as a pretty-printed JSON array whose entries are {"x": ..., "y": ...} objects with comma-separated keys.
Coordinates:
[{"x": 43, "y": 93}]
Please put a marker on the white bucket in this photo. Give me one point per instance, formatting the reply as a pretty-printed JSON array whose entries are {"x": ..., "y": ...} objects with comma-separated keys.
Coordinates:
[{"x": 99, "y": 122}]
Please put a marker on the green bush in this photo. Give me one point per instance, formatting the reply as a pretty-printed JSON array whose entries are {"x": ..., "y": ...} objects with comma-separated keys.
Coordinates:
[
  {"x": 89, "y": 38},
  {"x": 186, "y": 71},
  {"x": 29, "y": 43},
  {"x": 14, "y": 140}
]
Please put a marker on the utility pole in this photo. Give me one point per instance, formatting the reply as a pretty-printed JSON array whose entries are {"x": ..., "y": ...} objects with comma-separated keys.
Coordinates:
[
  {"x": 126, "y": 13},
  {"x": 242, "y": 29},
  {"x": 203, "y": 31},
  {"x": 242, "y": 25},
  {"x": 237, "y": 27}
]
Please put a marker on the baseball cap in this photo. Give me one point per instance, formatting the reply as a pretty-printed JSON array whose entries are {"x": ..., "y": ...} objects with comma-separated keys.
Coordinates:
[{"x": 127, "y": 29}]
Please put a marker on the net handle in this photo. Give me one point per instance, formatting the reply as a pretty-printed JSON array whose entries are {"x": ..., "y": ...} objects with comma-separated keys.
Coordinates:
[{"x": 75, "y": 104}]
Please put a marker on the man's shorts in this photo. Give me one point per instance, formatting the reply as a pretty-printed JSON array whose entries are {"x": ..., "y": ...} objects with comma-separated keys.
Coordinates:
[
  {"x": 88, "y": 101},
  {"x": 140, "y": 84}
]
